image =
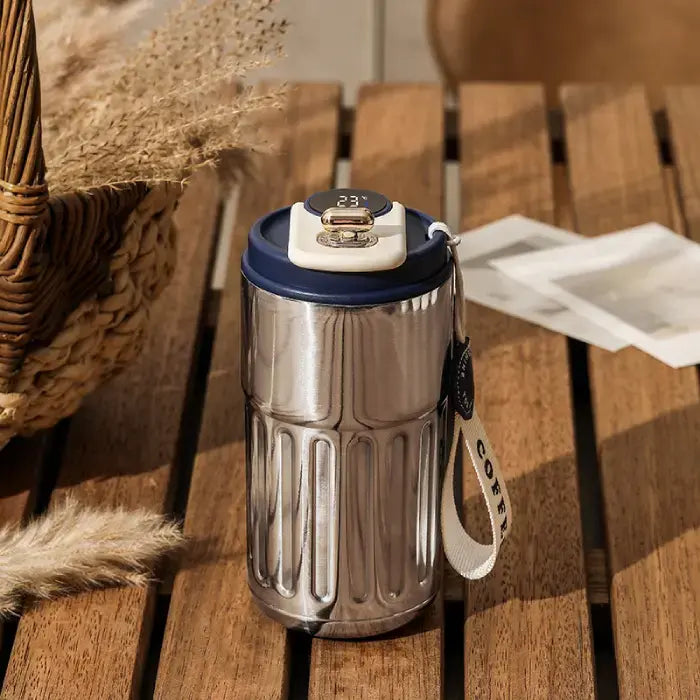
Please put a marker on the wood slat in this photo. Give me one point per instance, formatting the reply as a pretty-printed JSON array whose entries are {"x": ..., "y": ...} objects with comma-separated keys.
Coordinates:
[
  {"x": 683, "y": 110},
  {"x": 120, "y": 451},
  {"x": 217, "y": 644},
  {"x": 647, "y": 416},
  {"x": 527, "y": 632},
  {"x": 397, "y": 150}
]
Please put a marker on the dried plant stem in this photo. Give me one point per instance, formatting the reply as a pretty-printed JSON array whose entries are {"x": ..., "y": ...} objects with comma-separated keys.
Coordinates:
[
  {"x": 76, "y": 547},
  {"x": 165, "y": 108}
]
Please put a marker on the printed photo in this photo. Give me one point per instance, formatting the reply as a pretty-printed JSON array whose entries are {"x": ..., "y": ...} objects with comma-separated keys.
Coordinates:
[
  {"x": 641, "y": 284},
  {"x": 483, "y": 284}
]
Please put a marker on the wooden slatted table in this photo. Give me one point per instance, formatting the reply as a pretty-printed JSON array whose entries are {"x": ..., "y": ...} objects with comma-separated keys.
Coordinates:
[{"x": 597, "y": 592}]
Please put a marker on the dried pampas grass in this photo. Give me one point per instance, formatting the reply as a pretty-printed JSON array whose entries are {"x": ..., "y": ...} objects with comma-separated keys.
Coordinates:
[
  {"x": 75, "y": 547},
  {"x": 77, "y": 43},
  {"x": 160, "y": 110}
]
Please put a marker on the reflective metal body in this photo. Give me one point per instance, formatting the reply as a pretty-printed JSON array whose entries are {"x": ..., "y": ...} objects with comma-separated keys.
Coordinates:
[{"x": 345, "y": 424}]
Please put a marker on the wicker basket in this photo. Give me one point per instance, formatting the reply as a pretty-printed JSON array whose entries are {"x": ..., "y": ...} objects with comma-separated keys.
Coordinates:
[{"x": 79, "y": 272}]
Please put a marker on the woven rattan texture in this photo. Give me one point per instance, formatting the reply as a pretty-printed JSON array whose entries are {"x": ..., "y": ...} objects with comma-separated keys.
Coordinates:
[
  {"x": 105, "y": 332},
  {"x": 77, "y": 272},
  {"x": 23, "y": 195}
]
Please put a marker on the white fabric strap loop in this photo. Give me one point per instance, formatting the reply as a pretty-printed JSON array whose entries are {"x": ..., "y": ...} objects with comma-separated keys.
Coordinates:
[{"x": 471, "y": 559}]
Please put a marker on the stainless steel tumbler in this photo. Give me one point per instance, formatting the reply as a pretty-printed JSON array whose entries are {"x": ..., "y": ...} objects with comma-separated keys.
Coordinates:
[{"x": 347, "y": 333}]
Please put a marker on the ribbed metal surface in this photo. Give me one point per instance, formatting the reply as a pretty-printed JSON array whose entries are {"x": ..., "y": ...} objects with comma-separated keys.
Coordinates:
[
  {"x": 257, "y": 500},
  {"x": 349, "y": 533},
  {"x": 324, "y": 524},
  {"x": 344, "y": 459},
  {"x": 359, "y": 518},
  {"x": 426, "y": 496}
]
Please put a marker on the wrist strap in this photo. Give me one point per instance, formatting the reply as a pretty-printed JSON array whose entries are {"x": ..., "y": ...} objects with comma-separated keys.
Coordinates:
[{"x": 471, "y": 559}]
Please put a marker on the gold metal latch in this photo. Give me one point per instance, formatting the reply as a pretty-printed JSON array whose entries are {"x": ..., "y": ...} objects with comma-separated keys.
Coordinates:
[{"x": 347, "y": 227}]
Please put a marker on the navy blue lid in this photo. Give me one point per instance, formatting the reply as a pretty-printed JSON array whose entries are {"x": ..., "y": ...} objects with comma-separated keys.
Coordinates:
[{"x": 266, "y": 265}]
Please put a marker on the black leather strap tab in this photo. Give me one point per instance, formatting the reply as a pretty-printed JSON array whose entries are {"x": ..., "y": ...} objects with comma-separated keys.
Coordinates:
[{"x": 463, "y": 379}]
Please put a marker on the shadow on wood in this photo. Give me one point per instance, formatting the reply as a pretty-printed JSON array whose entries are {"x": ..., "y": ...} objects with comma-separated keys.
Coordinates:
[{"x": 543, "y": 572}]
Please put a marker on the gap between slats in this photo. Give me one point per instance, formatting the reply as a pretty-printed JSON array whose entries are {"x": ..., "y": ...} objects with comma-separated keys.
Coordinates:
[{"x": 190, "y": 423}]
